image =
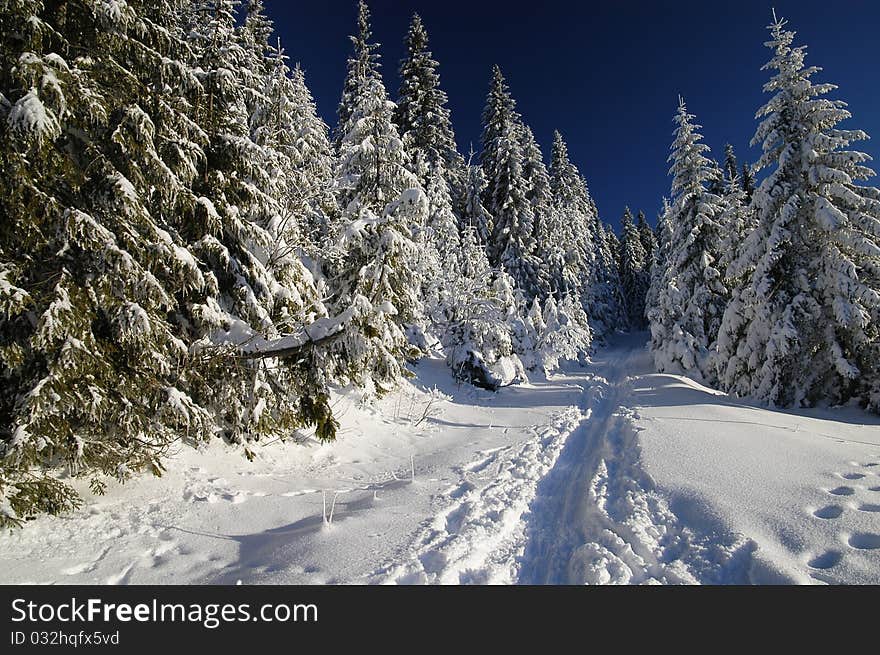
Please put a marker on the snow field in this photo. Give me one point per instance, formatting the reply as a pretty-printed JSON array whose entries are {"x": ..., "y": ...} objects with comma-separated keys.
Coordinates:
[
  {"x": 606, "y": 475},
  {"x": 802, "y": 485}
]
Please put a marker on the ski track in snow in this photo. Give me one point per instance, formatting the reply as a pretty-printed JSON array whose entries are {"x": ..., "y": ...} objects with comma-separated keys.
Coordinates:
[
  {"x": 477, "y": 539},
  {"x": 598, "y": 519},
  {"x": 570, "y": 506}
]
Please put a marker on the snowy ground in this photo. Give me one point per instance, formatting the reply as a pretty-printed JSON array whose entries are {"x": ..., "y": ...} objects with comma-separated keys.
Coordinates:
[{"x": 609, "y": 474}]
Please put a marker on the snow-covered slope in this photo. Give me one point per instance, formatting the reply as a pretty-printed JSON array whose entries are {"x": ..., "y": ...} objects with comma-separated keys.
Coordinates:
[
  {"x": 216, "y": 518},
  {"x": 609, "y": 474},
  {"x": 803, "y": 486}
]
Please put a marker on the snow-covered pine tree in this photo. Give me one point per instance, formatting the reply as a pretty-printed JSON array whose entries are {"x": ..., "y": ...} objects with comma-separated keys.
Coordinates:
[
  {"x": 734, "y": 206},
  {"x": 439, "y": 263},
  {"x": 575, "y": 338},
  {"x": 376, "y": 284},
  {"x": 804, "y": 327},
  {"x": 254, "y": 295},
  {"x": 284, "y": 122},
  {"x": 423, "y": 119},
  {"x": 649, "y": 241},
  {"x": 612, "y": 244},
  {"x": 729, "y": 168},
  {"x": 561, "y": 334},
  {"x": 98, "y": 153},
  {"x": 257, "y": 34},
  {"x": 475, "y": 214},
  {"x": 693, "y": 297},
  {"x": 534, "y": 172},
  {"x": 736, "y": 213},
  {"x": 510, "y": 301},
  {"x": 303, "y": 137},
  {"x": 477, "y": 335},
  {"x": 552, "y": 334},
  {"x": 255, "y": 31},
  {"x": 634, "y": 279},
  {"x": 511, "y": 245},
  {"x": 587, "y": 275},
  {"x": 549, "y": 252},
  {"x": 362, "y": 64},
  {"x": 658, "y": 271},
  {"x": 748, "y": 181},
  {"x": 715, "y": 183},
  {"x": 571, "y": 210},
  {"x": 527, "y": 336},
  {"x": 606, "y": 298},
  {"x": 273, "y": 129}
]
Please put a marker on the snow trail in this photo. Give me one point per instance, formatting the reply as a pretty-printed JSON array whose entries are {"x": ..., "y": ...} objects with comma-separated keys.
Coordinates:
[
  {"x": 570, "y": 506},
  {"x": 478, "y": 538},
  {"x": 597, "y": 518}
]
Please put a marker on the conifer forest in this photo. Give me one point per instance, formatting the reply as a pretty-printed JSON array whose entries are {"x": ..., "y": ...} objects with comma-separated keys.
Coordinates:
[{"x": 200, "y": 269}]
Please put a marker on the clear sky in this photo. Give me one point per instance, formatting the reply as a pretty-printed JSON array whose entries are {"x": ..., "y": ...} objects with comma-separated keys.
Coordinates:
[{"x": 606, "y": 74}]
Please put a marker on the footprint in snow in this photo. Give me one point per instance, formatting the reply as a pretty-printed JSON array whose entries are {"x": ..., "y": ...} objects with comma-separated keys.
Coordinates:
[
  {"x": 864, "y": 541},
  {"x": 826, "y": 560},
  {"x": 480, "y": 465},
  {"x": 851, "y": 476},
  {"x": 842, "y": 491},
  {"x": 829, "y": 512},
  {"x": 456, "y": 518},
  {"x": 460, "y": 490},
  {"x": 868, "y": 507}
]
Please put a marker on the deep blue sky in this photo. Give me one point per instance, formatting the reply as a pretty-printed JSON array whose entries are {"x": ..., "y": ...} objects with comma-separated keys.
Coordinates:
[{"x": 606, "y": 74}]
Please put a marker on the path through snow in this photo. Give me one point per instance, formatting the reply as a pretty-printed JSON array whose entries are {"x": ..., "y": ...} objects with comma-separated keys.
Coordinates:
[{"x": 571, "y": 506}]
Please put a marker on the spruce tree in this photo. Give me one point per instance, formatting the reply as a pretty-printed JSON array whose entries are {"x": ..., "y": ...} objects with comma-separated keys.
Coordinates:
[
  {"x": 692, "y": 297},
  {"x": 565, "y": 335},
  {"x": 423, "y": 119},
  {"x": 591, "y": 270},
  {"x": 362, "y": 64},
  {"x": 476, "y": 216},
  {"x": 98, "y": 152},
  {"x": 375, "y": 284},
  {"x": 477, "y": 338},
  {"x": 649, "y": 241},
  {"x": 748, "y": 181},
  {"x": 715, "y": 182},
  {"x": 803, "y": 327},
  {"x": 254, "y": 31},
  {"x": 659, "y": 267},
  {"x": 612, "y": 244},
  {"x": 312, "y": 161},
  {"x": 729, "y": 168},
  {"x": 573, "y": 222},
  {"x": 634, "y": 279},
  {"x": 254, "y": 296},
  {"x": 549, "y": 252},
  {"x": 535, "y": 175},
  {"x": 607, "y": 303},
  {"x": 736, "y": 214},
  {"x": 511, "y": 245}
]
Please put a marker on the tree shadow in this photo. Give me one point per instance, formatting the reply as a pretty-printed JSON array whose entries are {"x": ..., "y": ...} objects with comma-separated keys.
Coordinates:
[
  {"x": 665, "y": 390},
  {"x": 539, "y": 391},
  {"x": 283, "y": 547}
]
